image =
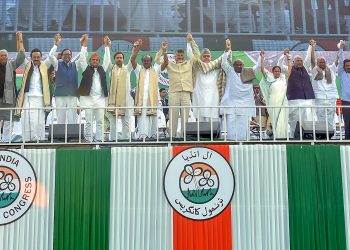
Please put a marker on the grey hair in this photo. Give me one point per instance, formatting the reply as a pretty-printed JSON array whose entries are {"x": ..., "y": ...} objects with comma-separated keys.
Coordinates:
[
  {"x": 205, "y": 51},
  {"x": 4, "y": 51},
  {"x": 297, "y": 56}
]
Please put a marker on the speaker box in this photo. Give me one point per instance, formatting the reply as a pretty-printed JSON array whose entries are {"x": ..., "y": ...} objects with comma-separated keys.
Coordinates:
[
  {"x": 308, "y": 133},
  {"x": 59, "y": 131},
  {"x": 204, "y": 129}
]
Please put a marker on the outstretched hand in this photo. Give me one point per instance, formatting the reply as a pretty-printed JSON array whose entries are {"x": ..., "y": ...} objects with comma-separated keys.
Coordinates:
[
  {"x": 164, "y": 46},
  {"x": 106, "y": 41},
  {"x": 262, "y": 53},
  {"x": 228, "y": 45},
  {"x": 58, "y": 39},
  {"x": 138, "y": 43},
  {"x": 19, "y": 36},
  {"x": 189, "y": 37},
  {"x": 84, "y": 40},
  {"x": 341, "y": 44}
]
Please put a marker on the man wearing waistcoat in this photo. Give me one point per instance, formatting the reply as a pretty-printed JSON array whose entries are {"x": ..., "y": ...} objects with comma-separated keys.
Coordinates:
[
  {"x": 8, "y": 92},
  {"x": 120, "y": 96},
  {"x": 33, "y": 96},
  {"x": 92, "y": 90},
  {"x": 147, "y": 96},
  {"x": 299, "y": 92},
  {"x": 66, "y": 78}
]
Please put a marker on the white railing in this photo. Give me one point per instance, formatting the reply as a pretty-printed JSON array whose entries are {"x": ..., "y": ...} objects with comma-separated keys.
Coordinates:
[{"x": 213, "y": 130}]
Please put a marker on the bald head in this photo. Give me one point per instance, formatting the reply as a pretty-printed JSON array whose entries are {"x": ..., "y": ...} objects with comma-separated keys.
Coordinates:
[
  {"x": 321, "y": 62},
  {"x": 238, "y": 65}
]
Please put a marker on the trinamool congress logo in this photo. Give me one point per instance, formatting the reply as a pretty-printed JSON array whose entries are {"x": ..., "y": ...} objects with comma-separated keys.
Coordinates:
[
  {"x": 18, "y": 185},
  {"x": 199, "y": 183}
]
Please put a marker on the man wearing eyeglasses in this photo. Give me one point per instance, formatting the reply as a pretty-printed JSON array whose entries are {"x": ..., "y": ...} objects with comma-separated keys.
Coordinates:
[
  {"x": 208, "y": 85},
  {"x": 66, "y": 84}
]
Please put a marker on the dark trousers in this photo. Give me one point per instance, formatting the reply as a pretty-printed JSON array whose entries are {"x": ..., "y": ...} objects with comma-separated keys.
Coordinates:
[{"x": 346, "y": 117}]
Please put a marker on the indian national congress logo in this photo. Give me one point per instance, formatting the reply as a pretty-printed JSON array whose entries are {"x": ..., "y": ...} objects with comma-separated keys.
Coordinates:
[
  {"x": 199, "y": 183},
  {"x": 18, "y": 185}
]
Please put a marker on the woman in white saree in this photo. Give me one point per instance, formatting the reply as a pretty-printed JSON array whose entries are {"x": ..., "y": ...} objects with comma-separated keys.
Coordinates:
[{"x": 274, "y": 87}]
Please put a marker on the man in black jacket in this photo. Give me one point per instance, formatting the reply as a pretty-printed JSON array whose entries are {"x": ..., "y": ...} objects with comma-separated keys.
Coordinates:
[
  {"x": 165, "y": 103},
  {"x": 92, "y": 91}
]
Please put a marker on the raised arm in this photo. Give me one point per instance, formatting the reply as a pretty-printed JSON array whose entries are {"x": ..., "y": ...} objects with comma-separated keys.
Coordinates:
[
  {"x": 195, "y": 48},
  {"x": 289, "y": 61},
  {"x": 307, "y": 60},
  {"x": 313, "y": 53},
  {"x": 262, "y": 64},
  {"x": 135, "y": 51},
  {"x": 340, "y": 56},
  {"x": 83, "y": 52},
  {"x": 257, "y": 65},
  {"x": 20, "y": 49},
  {"x": 107, "y": 55},
  {"x": 224, "y": 63},
  {"x": 163, "y": 49},
  {"x": 280, "y": 62},
  {"x": 52, "y": 54}
]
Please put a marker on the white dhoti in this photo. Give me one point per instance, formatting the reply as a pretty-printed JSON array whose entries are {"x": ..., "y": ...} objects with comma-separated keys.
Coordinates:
[
  {"x": 237, "y": 122},
  {"x": 68, "y": 115},
  {"x": 147, "y": 125},
  {"x": 94, "y": 111},
  {"x": 206, "y": 94},
  {"x": 33, "y": 119},
  {"x": 326, "y": 114},
  {"x": 300, "y": 110}
]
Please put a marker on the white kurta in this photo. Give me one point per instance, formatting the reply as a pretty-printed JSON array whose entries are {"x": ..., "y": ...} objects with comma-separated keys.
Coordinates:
[
  {"x": 205, "y": 93},
  {"x": 146, "y": 124},
  {"x": 239, "y": 99},
  {"x": 237, "y": 93},
  {"x": 326, "y": 94},
  {"x": 96, "y": 102}
]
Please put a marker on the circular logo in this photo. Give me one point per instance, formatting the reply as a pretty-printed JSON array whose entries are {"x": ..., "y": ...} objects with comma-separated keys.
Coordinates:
[
  {"x": 18, "y": 185},
  {"x": 199, "y": 183}
]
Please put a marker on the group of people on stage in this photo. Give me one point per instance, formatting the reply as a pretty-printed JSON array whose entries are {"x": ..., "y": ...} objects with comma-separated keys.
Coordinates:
[{"x": 224, "y": 92}]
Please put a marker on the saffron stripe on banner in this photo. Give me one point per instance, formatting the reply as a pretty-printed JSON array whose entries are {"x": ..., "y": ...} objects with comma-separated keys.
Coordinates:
[
  {"x": 260, "y": 203},
  {"x": 345, "y": 163},
  {"x": 215, "y": 233}
]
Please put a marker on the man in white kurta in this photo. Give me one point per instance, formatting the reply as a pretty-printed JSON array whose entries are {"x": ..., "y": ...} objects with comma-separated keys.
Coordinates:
[
  {"x": 237, "y": 103},
  {"x": 206, "y": 96},
  {"x": 323, "y": 79},
  {"x": 33, "y": 96},
  {"x": 92, "y": 91},
  {"x": 147, "y": 93}
]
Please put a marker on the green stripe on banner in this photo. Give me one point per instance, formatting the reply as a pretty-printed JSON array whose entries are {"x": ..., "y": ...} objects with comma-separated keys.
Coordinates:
[
  {"x": 316, "y": 208},
  {"x": 82, "y": 199}
]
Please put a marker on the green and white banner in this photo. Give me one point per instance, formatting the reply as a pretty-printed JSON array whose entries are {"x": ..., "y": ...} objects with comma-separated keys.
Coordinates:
[{"x": 285, "y": 197}]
